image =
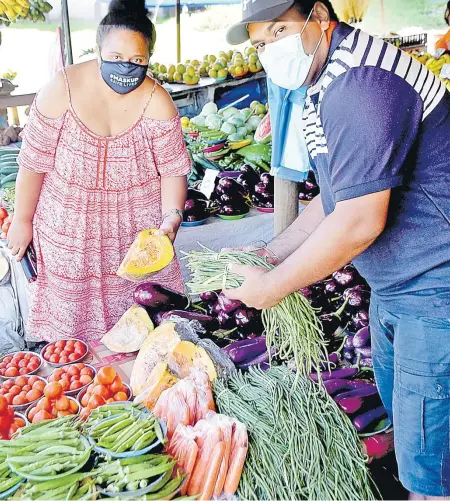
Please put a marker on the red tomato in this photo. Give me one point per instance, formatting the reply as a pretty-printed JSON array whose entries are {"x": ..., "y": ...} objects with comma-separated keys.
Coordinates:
[
  {"x": 76, "y": 377},
  {"x": 11, "y": 372},
  {"x": 15, "y": 390},
  {"x": 3, "y": 405},
  {"x": 3, "y": 213},
  {"x": 65, "y": 384},
  {"x": 32, "y": 366},
  {"x": 33, "y": 395},
  {"x": 2, "y": 372},
  {"x": 72, "y": 370},
  {"x": 26, "y": 388},
  {"x": 19, "y": 356},
  {"x": 66, "y": 377},
  {"x": 87, "y": 371},
  {"x": 57, "y": 351},
  {"x": 32, "y": 413},
  {"x": 73, "y": 357},
  {"x": 20, "y": 400},
  {"x": 39, "y": 386},
  {"x": 60, "y": 344},
  {"x": 35, "y": 360},
  {"x": 76, "y": 385},
  {"x": 8, "y": 384},
  {"x": 3, "y": 365},
  {"x": 80, "y": 365},
  {"x": 32, "y": 380},
  {"x": 25, "y": 370},
  {"x": 54, "y": 359},
  {"x": 70, "y": 343},
  {"x": 9, "y": 398},
  {"x": 27, "y": 356},
  {"x": 85, "y": 379},
  {"x": 23, "y": 363},
  {"x": 63, "y": 359},
  {"x": 8, "y": 359}
]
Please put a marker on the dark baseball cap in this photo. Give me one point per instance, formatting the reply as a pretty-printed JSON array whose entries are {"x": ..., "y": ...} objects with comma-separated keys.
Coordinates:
[{"x": 256, "y": 11}]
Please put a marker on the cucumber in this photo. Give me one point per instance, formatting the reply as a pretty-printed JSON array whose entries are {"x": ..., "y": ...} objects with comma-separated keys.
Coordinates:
[
  {"x": 5, "y": 171},
  {"x": 8, "y": 178}
]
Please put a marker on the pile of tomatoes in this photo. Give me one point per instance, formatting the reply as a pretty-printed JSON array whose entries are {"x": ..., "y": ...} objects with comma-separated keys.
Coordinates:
[
  {"x": 64, "y": 351},
  {"x": 19, "y": 364},
  {"x": 22, "y": 390},
  {"x": 9, "y": 423},
  {"x": 55, "y": 404},
  {"x": 72, "y": 377},
  {"x": 107, "y": 387},
  {"x": 5, "y": 222}
]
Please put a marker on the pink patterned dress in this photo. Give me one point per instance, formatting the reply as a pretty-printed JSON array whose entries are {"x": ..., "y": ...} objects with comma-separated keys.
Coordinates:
[{"x": 98, "y": 193}]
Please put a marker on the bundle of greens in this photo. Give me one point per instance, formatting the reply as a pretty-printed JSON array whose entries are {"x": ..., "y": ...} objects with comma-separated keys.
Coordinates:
[
  {"x": 292, "y": 326},
  {"x": 301, "y": 446}
]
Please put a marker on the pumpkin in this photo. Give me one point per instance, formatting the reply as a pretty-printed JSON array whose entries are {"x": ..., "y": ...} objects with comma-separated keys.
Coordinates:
[{"x": 148, "y": 254}]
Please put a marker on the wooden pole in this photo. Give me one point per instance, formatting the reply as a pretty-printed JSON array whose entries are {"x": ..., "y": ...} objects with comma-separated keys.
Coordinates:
[
  {"x": 178, "y": 17},
  {"x": 66, "y": 32},
  {"x": 286, "y": 204}
]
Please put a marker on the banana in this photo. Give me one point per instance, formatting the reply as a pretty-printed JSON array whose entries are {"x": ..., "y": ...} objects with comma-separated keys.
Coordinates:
[
  {"x": 2, "y": 9},
  {"x": 9, "y": 3}
]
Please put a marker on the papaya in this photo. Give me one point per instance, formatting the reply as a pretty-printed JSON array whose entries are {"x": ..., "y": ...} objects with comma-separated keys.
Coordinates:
[{"x": 148, "y": 254}]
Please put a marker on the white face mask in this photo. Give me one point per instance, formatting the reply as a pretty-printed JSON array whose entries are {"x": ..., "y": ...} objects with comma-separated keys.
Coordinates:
[{"x": 286, "y": 62}]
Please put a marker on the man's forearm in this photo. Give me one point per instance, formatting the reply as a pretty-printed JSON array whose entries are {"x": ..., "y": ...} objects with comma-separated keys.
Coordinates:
[
  {"x": 299, "y": 231},
  {"x": 28, "y": 189},
  {"x": 336, "y": 242}
]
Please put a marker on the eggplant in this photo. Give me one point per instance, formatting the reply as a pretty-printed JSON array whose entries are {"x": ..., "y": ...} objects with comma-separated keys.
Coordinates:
[
  {"x": 362, "y": 338},
  {"x": 210, "y": 324},
  {"x": 208, "y": 297},
  {"x": 334, "y": 358},
  {"x": 225, "y": 320},
  {"x": 344, "y": 278},
  {"x": 156, "y": 297},
  {"x": 366, "y": 362},
  {"x": 364, "y": 352},
  {"x": 336, "y": 386},
  {"x": 345, "y": 373},
  {"x": 331, "y": 290},
  {"x": 361, "y": 404},
  {"x": 248, "y": 349},
  {"x": 365, "y": 391},
  {"x": 360, "y": 319},
  {"x": 330, "y": 323},
  {"x": 365, "y": 420},
  {"x": 348, "y": 355},
  {"x": 227, "y": 305},
  {"x": 357, "y": 297},
  {"x": 379, "y": 446},
  {"x": 157, "y": 318},
  {"x": 261, "y": 359},
  {"x": 243, "y": 316},
  {"x": 348, "y": 345},
  {"x": 195, "y": 195}
]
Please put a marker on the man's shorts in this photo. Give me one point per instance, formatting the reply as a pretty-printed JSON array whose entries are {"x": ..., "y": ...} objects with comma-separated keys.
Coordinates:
[{"x": 411, "y": 358}]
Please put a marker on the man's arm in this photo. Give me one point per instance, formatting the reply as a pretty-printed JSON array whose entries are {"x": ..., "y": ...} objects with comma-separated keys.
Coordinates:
[{"x": 299, "y": 231}]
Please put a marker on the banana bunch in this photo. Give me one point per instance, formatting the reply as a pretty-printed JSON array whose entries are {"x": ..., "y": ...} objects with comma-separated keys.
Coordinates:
[
  {"x": 435, "y": 64},
  {"x": 351, "y": 11},
  {"x": 32, "y": 10}
]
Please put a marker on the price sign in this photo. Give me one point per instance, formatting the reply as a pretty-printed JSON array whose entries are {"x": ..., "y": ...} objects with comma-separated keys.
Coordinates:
[
  {"x": 445, "y": 71},
  {"x": 439, "y": 53},
  {"x": 209, "y": 182}
]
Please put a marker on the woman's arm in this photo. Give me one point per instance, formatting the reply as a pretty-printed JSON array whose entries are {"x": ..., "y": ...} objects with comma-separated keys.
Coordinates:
[{"x": 173, "y": 195}]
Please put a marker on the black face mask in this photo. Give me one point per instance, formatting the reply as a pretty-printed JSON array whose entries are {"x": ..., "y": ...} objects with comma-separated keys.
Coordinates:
[{"x": 122, "y": 77}]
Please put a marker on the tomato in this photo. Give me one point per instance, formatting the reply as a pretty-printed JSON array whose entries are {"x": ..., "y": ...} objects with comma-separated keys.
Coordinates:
[
  {"x": 75, "y": 378},
  {"x": 73, "y": 357},
  {"x": 70, "y": 343},
  {"x": 49, "y": 350},
  {"x": 73, "y": 406},
  {"x": 9, "y": 398},
  {"x": 54, "y": 359},
  {"x": 19, "y": 422},
  {"x": 116, "y": 385},
  {"x": 3, "y": 404},
  {"x": 21, "y": 381},
  {"x": 103, "y": 391},
  {"x": 27, "y": 356},
  {"x": 23, "y": 363},
  {"x": 85, "y": 400},
  {"x": 19, "y": 400},
  {"x": 15, "y": 390},
  {"x": 19, "y": 355},
  {"x": 25, "y": 370},
  {"x": 79, "y": 365},
  {"x": 87, "y": 371},
  {"x": 65, "y": 384},
  {"x": 110, "y": 401},
  {"x": 57, "y": 351},
  {"x": 63, "y": 359},
  {"x": 32, "y": 413},
  {"x": 3, "y": 365},
  {"x": 39, "y": 386},
  {"x": 44, "y": 404},
  {"x": 33, "y": 395},
  {"x": 41, "y": 416},
  {"x": 53, "y": 390},
  {"x": 52, "y": 378},
  {"x": 11, "y": 372},
  {"x": 8, "y": 359},
  {"x": 96, "y": 401},
  {"x": 62, "y": 404},
  {"x": 85, "y": 379},
  {"x": 8, "y": 384},
  {"x": 76, "y": 385},
  {"x": 3, "y": 213},
  {"x": 121, "y": 397},
  {"x": 2, "y": 372},
  {"x": 65, "y": 377},
  {"x": 106, "y": 375},
  {"x": 32, "y": 380},
  {"x": 72, "y": 370},
  {"x": 60, "y": 344}
]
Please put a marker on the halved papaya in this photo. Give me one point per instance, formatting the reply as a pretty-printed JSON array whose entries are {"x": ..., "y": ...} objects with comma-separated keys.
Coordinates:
[{"x": 148, "y": 254}]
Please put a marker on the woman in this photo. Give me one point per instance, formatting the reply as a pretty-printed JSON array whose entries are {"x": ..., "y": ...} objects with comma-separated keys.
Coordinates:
[
  {"x": 444, "y": 42},
  {"x": 103, "y": 158}
]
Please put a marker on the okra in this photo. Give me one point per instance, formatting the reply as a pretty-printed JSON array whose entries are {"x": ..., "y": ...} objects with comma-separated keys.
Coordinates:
[
  {"x": 72, "y": 491},
  {"x": 56, "y": 482},
  {"x": 168, "y": 489},
  {"x": 150, "y": 472},
  {"x": 5, "y": 485},
  {"x": 159, "y": 484},
  {"x": 158, "y": 431},
  {"x": 122, "y": 424},
  {"x": 106, "y": 424}
]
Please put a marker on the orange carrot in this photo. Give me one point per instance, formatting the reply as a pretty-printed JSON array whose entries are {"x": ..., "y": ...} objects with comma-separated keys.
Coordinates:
[
  {"x": 235, "y": 471},
  {"x": 212, "y": 472},
  {"x": 189, "y": 466},
  {"x": 227, "y": 432}
]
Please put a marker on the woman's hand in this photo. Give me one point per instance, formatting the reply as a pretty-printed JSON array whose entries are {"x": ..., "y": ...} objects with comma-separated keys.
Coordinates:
[
  {"x": 170, "y": 226},
  {"x": 19, "y": 237}
]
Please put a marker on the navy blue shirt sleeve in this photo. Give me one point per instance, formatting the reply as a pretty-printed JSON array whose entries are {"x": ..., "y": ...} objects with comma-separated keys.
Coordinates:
[{"x": 371, "y": 119}]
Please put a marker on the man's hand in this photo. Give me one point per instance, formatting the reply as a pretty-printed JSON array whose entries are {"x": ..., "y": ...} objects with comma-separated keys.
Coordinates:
[
  {"x": 255, "y": 292},
  {"x": 260, "y": 251}
]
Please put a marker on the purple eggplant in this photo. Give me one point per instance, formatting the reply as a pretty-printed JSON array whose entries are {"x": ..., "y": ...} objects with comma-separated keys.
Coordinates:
[
  {"x": 366, "y": 362},
  {"x": 334, "y": 358},
  {"x": 157, "y": 317},
  {"x": 225, "y": 320},
  {"x": 336, "y": 386},
  {"x": 210, "y": 324},
  {"x": 267, "y": 179},
  {"x": 362, "y": 338},
  {"x": 368, "y": 418},
  {"x": 360, "y": 319},
  {"x": 348, "y": 355},
  {"x": 357, "y": 297},
  {"x": 348, "y": 345},
  {"x": 261, "y": 359},
  {"x": 345, "y": 373},
  {"x": 364, "y": 352},
  {"x": 195, "y": 195},
  {"x": 265, "y": 366},
  {"x": 208, "y": 297},
  {"x": 248, "y": 349},
  {"x": 227, "y": 305},
  {"x": 331, "y": 290},
  {"x": 361, "y": 404},
  {"x": 365, "y": 391},
  {"x": 245, "y": 316},
  {"x": 307, "y": 292},
  {"x": 156, "y": 297},
  {"x": 344, "y": 278}
]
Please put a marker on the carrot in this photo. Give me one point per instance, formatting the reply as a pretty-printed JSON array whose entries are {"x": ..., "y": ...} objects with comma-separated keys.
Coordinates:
[
  {"x": 227, "y": 432},
  {"x": 189, "y": 466},
  {"x": 235, "y": 471},
  {"x": 213, "y": 471}
]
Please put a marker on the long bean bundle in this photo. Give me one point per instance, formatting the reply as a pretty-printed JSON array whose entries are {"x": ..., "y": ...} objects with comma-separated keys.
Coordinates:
[
  {"x": 292, "y": 326},
  {"x": 301, "y": 446}
]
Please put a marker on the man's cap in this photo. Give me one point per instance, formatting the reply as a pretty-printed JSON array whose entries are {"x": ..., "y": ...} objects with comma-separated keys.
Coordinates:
[{"x": 256, "y": 11}]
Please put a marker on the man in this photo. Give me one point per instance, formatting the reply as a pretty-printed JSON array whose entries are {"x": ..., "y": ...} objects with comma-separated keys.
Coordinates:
[{"x": 377, "y": 125}]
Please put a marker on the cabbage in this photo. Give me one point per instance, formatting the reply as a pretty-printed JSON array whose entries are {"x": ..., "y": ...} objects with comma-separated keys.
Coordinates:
[
  {"x": 246, "y": 112},
  {"x": 242, "y": 131},
  {"x": 234, "y": 137},
  {"x": 228, "y": 128},
  {"x": 209, "y": 109},
  {"x": 242, "y": 116},
  {"x": 200, "y": 121},
  {"x": 236, "y": 120},
  {"x": 229, "y": 112},
  {"x": 253, "y": 122},
  {"x": 213, "y": 122}
]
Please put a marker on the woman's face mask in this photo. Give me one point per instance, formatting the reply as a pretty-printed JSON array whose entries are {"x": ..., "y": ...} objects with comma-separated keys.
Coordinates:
[
  {"x": 122, "y": 76},
  {"x": 286, "y": 62}
]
